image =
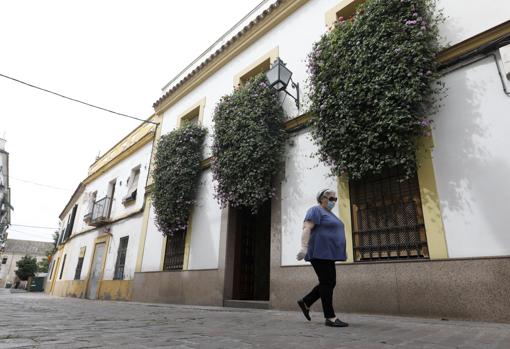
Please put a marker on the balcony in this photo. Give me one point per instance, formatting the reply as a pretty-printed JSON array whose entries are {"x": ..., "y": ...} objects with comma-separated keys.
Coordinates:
[{"x": 100, "y": 214}]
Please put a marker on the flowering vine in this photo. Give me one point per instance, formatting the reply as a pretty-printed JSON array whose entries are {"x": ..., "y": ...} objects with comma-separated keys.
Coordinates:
[
  {"x": 176, "y": 174},
  {"x": 248, "y": 144},
  {"x": 373, "y": 83}
]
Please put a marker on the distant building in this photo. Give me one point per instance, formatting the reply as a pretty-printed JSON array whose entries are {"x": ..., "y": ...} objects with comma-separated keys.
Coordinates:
[
  {"x": 5, "y": 204},
  {"x": 14, "y": 251}
]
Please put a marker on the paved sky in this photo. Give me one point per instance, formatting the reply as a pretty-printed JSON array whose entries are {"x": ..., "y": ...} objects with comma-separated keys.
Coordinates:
[{"x": 115, "y": 54}]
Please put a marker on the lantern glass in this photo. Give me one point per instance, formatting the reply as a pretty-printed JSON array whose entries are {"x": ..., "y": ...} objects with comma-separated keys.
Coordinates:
[
  {"x": 272, "y": 75},
  {"x": 285, "y": 74},
  {"x": 279, "y": 76}
]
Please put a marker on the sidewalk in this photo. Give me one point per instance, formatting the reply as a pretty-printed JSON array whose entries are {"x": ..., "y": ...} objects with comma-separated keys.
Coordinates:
[{"x": 38, "y": 321}]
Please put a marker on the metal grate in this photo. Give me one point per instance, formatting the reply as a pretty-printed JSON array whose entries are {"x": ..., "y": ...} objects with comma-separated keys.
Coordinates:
[
  {"x": 174, "y": 251},
  {"x": 63, "y": 265},
  {"x": 387, "y": 218},
  {"x": 121, "y": 259},
  {"x": 77, "y": 273}
]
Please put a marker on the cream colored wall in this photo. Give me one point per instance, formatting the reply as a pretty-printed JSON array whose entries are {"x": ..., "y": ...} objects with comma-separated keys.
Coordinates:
[{"x": 7, "y": 271}]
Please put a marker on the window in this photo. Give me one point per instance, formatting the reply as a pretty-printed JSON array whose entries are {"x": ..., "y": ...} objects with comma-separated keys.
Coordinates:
[
  {"x": 110, "y": 195},
  {"x": 132, "y": 184},
  {"x": 174, "y": 251},
  {"x": 193, "y": 114},
  {"x": 261, "y": 65},
  {"x": 63, "y": 265},
  {"x": 121, "y": 259},
  {"x": 345, "y": 9},
  {"x": 70, "y": 223},
  {"x": 52, "y": 267},
  {"x": 4, "y": 260},
  {"x": 90, "y": 207},
  {"x": 77, "y": 273},
  {"x": 387, "y": 218}
]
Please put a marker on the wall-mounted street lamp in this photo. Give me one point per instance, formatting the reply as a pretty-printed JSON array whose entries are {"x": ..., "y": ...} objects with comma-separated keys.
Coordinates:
[{"x": 279, "y": 77}]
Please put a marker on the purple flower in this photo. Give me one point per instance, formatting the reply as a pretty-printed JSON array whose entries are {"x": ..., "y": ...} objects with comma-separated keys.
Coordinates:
[{"x": 415, "y": 14}]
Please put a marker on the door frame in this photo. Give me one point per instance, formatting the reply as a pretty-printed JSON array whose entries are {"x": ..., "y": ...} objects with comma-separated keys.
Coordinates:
[
  {"x": 105, "y": 238},
  {"x": 55, "y": 272},
  {"x": 232, "y": 257}
]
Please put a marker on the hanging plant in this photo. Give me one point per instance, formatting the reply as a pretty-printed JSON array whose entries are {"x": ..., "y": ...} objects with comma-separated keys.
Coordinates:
[
  {"x": 176, "y": 174},
  {"x": 373, "y": 79},
  {"x": 248, "y": 144}
]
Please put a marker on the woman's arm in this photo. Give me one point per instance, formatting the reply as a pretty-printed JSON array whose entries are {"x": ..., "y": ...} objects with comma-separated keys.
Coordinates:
[{"x": 305, "y": 237}]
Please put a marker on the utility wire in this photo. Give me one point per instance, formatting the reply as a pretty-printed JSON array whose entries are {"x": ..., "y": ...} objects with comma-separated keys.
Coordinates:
[
  {"x": 32, "y": 226},
  {"x": 34, "y": 234},
  {"x": 77, "y": 101},
  {"x": 40, "y": 184}
]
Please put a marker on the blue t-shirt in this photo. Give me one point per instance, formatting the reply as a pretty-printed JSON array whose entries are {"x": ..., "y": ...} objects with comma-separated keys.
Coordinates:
[{"x": 327, "y": 239}]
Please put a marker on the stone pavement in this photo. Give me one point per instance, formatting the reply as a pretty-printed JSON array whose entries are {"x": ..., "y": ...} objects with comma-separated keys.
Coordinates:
[{"x": 38, "y": 321}]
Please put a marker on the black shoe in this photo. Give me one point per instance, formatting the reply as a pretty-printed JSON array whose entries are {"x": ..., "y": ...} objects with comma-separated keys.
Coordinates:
[
  {"x": 306, "y": 311},
  {"x": 336, "y": 323}
]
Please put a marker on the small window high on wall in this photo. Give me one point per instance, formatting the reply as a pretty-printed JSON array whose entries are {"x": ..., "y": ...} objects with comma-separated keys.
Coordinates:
[
  {"x": 387, "y": 218},
  {"x": 260, "y": 68},
  {"x": 132, "y": 184},
  {"x": 345, "y": 9},
  {"x": 261, "y": 65}
]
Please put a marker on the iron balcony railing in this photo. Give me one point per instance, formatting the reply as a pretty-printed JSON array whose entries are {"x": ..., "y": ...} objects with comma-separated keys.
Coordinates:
[{"x": 100, "y": 212}]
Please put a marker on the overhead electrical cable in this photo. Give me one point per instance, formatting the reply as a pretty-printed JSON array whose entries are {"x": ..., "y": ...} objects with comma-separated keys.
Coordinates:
[
  {"x": 39, "y": 184},
  {"x": 32, "y": 226},
  {"x": 77, "y": 100}
]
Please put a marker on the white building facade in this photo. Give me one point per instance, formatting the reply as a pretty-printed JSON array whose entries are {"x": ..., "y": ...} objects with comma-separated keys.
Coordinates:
[
  {"x": 462, "y": 246},
  {"x": 101, "y": 224},
  {"x": 456, "y": 255}
]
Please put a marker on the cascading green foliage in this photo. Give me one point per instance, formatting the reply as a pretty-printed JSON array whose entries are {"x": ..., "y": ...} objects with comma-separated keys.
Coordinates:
[
  {"x": 248, "y": 144},
  {"x": 373, "y": 79},
  {"x": 176, "y": 175}
]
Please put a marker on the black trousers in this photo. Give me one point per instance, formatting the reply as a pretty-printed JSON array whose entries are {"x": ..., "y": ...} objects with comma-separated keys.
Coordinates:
[{"x": 326, "y": 272}]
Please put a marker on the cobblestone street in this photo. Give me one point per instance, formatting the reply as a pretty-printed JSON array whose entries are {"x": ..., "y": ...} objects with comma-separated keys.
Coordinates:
[{"x": 39, "y": 321}]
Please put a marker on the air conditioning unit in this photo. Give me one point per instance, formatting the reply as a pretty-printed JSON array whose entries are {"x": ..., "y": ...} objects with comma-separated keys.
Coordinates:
[{"x": 505, "y": 58}]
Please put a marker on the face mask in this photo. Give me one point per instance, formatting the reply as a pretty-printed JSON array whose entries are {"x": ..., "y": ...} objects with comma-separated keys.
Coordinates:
[{"x": 331, "y": 204}]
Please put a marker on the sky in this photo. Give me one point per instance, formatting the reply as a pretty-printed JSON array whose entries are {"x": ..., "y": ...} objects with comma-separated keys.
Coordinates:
[{"x": 114, "y": 54}]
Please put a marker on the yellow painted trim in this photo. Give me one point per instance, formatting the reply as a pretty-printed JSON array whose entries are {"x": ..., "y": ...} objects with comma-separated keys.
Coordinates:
[
  {"x": 129, "y": 151},
  {"x": 474, "y": 42},
  {"x": 187, "y": 242},
  {"x": 345, "y": 8},
  {"x": 344, "y": 206},
  {"x": 55, "y": 272},
  {"x": 143, "y": 234},
  {"x": 99, "y": 240},
  {"x": 247, "y": 72},
  {"x": 247, "y": 39},
  {"x": 119, "y": 290},
  {"x": 162, "y": 256},
  {"x": 69, "y": 288},
  {"x": 431, "y": 206},
  {"x": 131, "y": 138},
  {"x": 297, "y": 122},
  {"x": 157, "y": 118},
  {"x": 191, "y": 112}
]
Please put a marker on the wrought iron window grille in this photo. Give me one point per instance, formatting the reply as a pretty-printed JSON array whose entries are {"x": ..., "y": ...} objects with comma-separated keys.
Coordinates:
[{"x": 387, "y": 218}]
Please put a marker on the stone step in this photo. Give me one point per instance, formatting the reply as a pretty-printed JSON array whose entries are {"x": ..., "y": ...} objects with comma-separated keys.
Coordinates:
[{"x": 234, "y": 303}]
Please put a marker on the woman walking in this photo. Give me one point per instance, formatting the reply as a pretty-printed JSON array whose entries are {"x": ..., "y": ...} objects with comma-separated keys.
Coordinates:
[{"x": 323, "y": 243}]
